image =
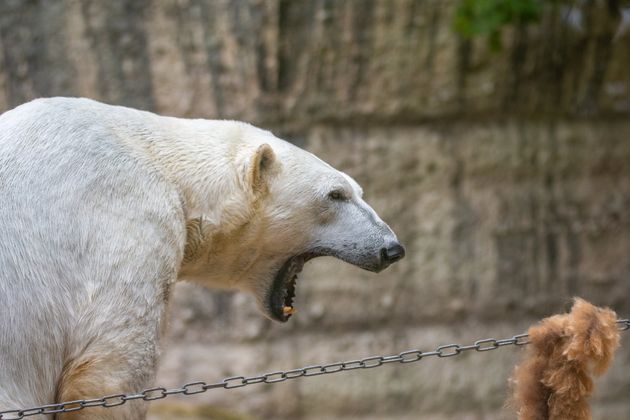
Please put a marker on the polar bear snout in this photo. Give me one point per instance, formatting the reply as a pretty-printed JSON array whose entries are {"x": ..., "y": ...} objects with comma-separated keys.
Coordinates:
[
  {"x": 391, "y": 253},
  {"x": 375, "y": 254}
]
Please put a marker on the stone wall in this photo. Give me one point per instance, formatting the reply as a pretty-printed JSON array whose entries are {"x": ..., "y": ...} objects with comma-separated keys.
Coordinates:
[
  {"x": 503, "y": 222},
  {"x": 293, "y": 62},
  {"x": 505, "y": 174}
]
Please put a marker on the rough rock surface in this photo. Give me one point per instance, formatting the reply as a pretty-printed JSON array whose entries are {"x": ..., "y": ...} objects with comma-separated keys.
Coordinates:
[{"x": 505, "y": 174}]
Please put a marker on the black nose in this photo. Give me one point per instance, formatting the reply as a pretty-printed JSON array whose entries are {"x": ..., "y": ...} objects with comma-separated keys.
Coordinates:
[{"x": 392, "y": 253}]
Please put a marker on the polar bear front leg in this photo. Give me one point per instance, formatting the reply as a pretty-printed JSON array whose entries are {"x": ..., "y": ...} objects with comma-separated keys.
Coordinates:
[
  {"x": 119, "y": 355},
  {"x": 100, "y": 374}
]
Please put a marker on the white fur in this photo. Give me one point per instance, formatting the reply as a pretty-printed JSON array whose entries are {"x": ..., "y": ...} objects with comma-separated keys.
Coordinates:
[{"x": 96, "y": 200}]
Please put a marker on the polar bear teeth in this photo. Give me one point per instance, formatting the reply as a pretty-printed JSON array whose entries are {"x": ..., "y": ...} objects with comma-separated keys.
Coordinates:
[
  {"x": 289, "y": 294},
  {"x": 283, "y": 288}
]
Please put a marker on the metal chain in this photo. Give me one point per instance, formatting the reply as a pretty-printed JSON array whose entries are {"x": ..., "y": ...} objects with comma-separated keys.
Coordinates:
[{"x": 191, "y": 388}]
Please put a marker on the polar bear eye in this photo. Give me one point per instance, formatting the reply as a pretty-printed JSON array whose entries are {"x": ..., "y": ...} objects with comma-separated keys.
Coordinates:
[{"x": 336, "y": 195}]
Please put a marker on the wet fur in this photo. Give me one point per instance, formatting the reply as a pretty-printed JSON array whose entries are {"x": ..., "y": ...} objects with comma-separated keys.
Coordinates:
[{"x": 555, "y": 380}]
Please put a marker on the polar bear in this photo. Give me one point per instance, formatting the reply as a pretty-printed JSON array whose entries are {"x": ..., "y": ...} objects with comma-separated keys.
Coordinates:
[{"x": 104, "y": 208}]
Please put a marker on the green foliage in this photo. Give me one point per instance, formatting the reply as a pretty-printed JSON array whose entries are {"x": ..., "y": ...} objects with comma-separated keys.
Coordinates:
[{"x": 487, "y": 17}]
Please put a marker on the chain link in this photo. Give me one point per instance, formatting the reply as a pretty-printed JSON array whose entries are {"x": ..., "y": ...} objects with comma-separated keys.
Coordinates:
[{"x": 191, "y": 388}]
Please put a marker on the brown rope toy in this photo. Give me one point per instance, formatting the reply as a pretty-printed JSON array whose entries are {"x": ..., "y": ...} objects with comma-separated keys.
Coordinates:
[{"x": 555, "y": 380}]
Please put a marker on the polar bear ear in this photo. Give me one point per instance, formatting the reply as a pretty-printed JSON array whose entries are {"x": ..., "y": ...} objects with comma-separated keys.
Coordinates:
[{"x": 261, "y": 168}]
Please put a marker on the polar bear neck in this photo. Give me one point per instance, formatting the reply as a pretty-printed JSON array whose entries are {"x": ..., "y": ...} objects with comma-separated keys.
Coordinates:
[{"x": 198, "y": 158}]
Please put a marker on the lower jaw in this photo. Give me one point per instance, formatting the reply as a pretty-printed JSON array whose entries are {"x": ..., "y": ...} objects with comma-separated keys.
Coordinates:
[
  {"x": 279, "y": 308},
  {"x": 276, "y": 302}
]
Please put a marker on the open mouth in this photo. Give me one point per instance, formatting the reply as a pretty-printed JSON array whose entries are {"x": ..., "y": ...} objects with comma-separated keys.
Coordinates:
[{"x": 282, "y": 293}]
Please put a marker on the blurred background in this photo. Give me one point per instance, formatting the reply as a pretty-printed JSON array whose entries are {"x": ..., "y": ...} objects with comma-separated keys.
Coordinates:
[{"x": 492, "y": 135}]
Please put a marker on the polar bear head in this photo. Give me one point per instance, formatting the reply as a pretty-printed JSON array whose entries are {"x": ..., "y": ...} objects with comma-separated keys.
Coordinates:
[{"x": 291, "y": 207}]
